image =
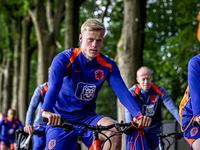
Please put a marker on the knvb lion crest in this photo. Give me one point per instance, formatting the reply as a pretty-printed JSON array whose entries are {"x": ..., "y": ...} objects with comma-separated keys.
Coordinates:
[
  {"x": 99, "y": 75},
  {"x": 194, "y": 131},
  {"x": 52, "y": 144},
  {"x": 85, "y": 91},
  {"x": 153, "y": 98},
  {"x": 149, "y": 110}
]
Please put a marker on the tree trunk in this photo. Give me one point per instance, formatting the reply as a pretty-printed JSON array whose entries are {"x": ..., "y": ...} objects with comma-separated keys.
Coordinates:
[
  {"x": 71, "y": 21},
  {"x": 6, "y": 86},
  {"x": 130, "y": 46},
  {"x": 54, "y": 28},
  {"x": 47, "y": 31},
  {"x": 2, "y": 67},
  {"x": 1, "y": 92},
  {"x": 16, "y": 65},
  {"x": 39, "y": 20},
  {"x": 23, "y": 86}
]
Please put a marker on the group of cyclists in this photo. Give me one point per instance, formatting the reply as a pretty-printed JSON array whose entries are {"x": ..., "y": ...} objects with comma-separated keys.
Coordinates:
[{"x": 75, "y": 79}]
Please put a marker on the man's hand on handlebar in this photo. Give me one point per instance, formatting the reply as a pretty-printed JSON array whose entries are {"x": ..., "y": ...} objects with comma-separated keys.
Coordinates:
[
  {"x": 53, "y": 119},
  {"x": 143, "y": 121},
  {"x": 29, "y": 129}
]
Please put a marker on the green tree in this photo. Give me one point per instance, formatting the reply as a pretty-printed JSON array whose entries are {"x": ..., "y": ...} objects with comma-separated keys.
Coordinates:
[
  {"x": 170, "y": 43},
  {"x": 10, "y": 48}
]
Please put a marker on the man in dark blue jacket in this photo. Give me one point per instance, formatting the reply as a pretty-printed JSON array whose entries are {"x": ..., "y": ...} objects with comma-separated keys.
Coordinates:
[{"x": 149, "y": 97}]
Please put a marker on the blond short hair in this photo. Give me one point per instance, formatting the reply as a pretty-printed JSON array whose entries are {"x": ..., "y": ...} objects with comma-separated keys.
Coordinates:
[{"x": 92, "y": 25}]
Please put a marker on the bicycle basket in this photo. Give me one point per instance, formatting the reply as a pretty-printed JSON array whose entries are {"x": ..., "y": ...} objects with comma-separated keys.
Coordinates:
[{"x": 23, "y": 140}]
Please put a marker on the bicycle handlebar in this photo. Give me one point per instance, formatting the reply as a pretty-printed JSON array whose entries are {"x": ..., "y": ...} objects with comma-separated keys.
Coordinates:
[
  {"x": 178, "y": 135},
  {"x": 68, "y": 125},
  {"x": 35, "y": 132}
]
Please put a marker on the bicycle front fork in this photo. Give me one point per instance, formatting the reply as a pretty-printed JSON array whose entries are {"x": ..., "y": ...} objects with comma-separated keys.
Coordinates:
[
  {"x": 96, "y": 143},
  {"x": 161, "y": 145}
]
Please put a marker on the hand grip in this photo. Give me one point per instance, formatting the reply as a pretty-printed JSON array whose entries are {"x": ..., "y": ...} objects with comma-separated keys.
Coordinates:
[
  {"x": 194, "y": 123},
  {"x": 45, "y": 119}
]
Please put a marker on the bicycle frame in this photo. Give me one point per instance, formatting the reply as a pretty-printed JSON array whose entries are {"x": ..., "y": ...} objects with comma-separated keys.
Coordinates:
[{"x": 160, "y": 145}]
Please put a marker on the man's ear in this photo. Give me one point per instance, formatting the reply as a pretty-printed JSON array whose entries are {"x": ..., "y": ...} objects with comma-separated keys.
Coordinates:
[
  {"x": 137, "y": 80},
  {"x": 80, "y": 38}
]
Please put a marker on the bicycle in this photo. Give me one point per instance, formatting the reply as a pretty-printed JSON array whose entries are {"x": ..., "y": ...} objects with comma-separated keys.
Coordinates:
[
  {"x": 97, "y": 129},
  {"x": 126, "y": 128},
  {"x": 23, "y": 139},
  {"x": 177, "y": 135},
  {"x": 164, "y": 136}
]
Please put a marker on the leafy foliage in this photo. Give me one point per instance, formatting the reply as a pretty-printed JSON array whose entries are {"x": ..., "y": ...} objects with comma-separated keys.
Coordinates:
[
  {"x": 106, "y": 102},
  {"x": 170, "y": 43}
]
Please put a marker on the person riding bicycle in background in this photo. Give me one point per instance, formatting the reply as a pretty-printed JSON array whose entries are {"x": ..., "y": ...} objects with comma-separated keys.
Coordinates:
[
  {"x": 149, "y": 97},
  {"x": 8, "y": 127},
  {"x": 76, "y": 77},
  {"x": 190, "y": 105},
  {"x": 39, "y": 142}
]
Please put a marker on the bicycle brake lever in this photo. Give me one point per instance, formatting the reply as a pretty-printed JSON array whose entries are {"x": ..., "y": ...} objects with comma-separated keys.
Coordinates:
[
  {"x": 179, "y": 136},
  {"x": 129, "y": 130},
  {"x": 60, "y": 126},
  {"x": 194, "y": 123}
]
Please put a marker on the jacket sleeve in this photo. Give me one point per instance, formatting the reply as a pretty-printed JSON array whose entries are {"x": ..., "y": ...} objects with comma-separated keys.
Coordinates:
[
  {"x": 117, "y": 84},
  {"x": 33, "y": 106},
  {"x": 57, "y": 73},
  {"x": 128, "y": 116},
  {"x": 170, "y": 105},
  {"x": 194, "y": 83}
]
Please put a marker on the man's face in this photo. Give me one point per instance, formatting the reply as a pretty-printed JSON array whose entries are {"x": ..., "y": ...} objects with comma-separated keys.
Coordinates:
[
  {"x": 11, "y": 115},
  {"x": 144, "y": 78},
  {"x": 91, "y": 43}
]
